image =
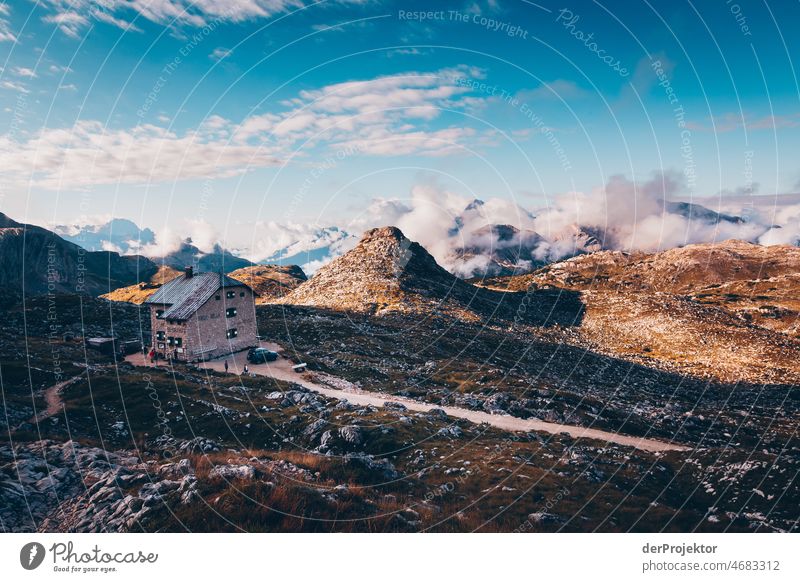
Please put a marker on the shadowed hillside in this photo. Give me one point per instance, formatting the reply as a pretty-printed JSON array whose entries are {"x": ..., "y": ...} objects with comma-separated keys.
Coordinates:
[
  {"x": 388, "y": 274},
  {"x": 36, "y": 261}
]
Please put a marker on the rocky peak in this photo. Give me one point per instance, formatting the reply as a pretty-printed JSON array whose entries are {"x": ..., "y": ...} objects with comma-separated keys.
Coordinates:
[
  {"x": 385, "y": 254},
  {"x": 384, "y": 272},
  {"x": 391, "y": 232},
  {"x": 388, "y": 274}
]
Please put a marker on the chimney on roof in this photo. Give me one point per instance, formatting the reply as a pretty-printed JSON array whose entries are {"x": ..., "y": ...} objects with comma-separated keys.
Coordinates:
[{"x": 189, "y": 272}]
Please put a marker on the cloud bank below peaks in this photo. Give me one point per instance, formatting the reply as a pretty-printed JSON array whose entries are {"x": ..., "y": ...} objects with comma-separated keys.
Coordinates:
[{"x": 472, "y": 237}]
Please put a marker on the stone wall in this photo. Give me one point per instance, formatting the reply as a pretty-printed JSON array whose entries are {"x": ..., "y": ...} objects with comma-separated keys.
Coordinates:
[
  {"x": 175, "y": 329},
  {"x": 204, "y": 334},
  {"x": 207, "y": 329}
]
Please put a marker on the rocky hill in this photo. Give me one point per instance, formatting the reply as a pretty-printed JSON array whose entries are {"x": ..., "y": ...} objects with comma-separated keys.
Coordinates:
[
  {"x": 727, "y": 310},
  {"x": 270, "y": 282},
  {"x": 139, "y": 292},
  {"x": 384, "y": 272},
  {"x": 387, "y": 273},
  {"x": 36, "y": 261},
  {"x": 679, "y": 270}
]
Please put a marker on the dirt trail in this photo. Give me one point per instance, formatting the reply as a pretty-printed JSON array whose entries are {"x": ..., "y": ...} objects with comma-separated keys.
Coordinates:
[
  {"x": 52, "y": 397},
  {"x": 339, "y": 389}
]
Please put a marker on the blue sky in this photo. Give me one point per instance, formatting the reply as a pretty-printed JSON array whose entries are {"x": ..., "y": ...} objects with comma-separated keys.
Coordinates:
[{"x": 289, "y": 111}]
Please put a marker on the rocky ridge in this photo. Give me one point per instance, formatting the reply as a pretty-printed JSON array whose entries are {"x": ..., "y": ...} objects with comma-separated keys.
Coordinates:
[
  {"x": 37, "y": 261},
  {"x": 270, "y": 282},
  {"x": 388, "y": 274}
]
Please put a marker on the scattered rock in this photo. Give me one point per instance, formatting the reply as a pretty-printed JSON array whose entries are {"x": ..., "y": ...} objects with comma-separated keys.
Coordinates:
[
  {"x": 351, "y": 434},
  {"x": 229, "y": 472}
]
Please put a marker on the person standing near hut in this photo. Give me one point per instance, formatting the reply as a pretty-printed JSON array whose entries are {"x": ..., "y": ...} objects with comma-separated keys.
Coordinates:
[{"x": 226, "y": 366}]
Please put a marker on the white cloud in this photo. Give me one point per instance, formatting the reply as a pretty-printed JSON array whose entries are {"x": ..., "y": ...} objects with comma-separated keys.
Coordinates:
[
  {"x": 628, "y": 215},
  {"x": 167, "y": 241},
  {"x": 14, "y": 86},
  {"x": 5, "y": 26},
  {"x": 72, "y": 16},
  {"x": 69, "y": 22},
  {"x": 263, "y": 239},
  {"x": 444, "y": 222},
  {"x": 382, "y": 116},
  {"x": 386, "y": 116},
  {"x": 220, "y": 53},
  {"x": 786, "y": 221},
  {"x": 24, "y": 72},
  {"x": 107, "y": 245},
  {"x": 89, "y": 154},
  {"x": 108, "y": 18},
  {"x": 623, "y": 215}
]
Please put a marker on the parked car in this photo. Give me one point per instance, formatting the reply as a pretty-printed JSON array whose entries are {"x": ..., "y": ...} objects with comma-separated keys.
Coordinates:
[{"x": 261, "y": 356}]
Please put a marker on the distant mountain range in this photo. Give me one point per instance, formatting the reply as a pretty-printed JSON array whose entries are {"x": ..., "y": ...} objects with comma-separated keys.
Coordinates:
[
  {"x": 218, "y": 259},
  {"x": 37, "y": 261},
  {"x": 118, "y": 234},
  {"x": 316, "y": 247},
  {"x": 473, "y": 245},
  {"x": 125, "y": 237}
]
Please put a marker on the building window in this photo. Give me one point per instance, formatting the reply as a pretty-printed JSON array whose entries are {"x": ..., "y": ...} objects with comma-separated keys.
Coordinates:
[
  {"x": 230, "y": 294},
  {"x": 159, "y": 313},
  {"x": 216, "y": 297},
  {"x": 175, "y": 341},
  {"x": 160, "y": 336},
  {"x": 231, "y": 333},
  {"x": 230, "y": 312},
  {"x": 241, "y": 294}
]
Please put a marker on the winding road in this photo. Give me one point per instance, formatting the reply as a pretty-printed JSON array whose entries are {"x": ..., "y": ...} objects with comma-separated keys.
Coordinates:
[{"x": 339, "y": 389}]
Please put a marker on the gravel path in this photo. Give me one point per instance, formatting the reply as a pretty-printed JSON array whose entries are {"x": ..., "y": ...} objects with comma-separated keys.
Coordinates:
[
  {"x": 339, "y": 389},
  {"x": 52, "y": 397}
]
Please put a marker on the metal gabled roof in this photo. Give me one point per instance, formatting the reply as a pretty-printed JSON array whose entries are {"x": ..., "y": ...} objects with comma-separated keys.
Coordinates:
[{"x": 184, "y": 296}]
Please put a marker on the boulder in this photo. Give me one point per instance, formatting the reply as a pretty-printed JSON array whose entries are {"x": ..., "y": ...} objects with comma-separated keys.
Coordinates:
[
  {"x": 229, "y": 472},
  {"x": 351, "y": 434}
]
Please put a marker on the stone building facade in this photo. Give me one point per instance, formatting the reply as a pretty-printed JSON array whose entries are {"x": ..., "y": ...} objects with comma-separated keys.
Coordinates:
[{"x": 200, "y": 316}]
